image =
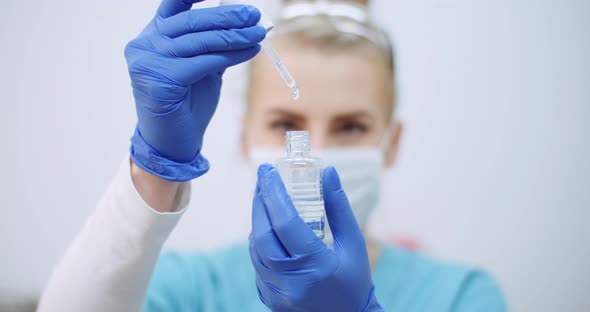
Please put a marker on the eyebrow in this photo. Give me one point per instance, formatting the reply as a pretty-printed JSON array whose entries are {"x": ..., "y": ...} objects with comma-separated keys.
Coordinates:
[
  {"x": 290, "y": 114},
  {"x": 355, "y": 114},
  {"x": 343, "y": 116}
]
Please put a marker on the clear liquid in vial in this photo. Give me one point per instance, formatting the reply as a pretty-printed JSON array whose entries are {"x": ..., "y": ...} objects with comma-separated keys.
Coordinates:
[{"x": 302, "y": 176}]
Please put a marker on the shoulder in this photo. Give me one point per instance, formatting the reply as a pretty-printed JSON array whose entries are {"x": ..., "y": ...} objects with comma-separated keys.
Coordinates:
[
  {"x": 414, "y": 278},
  {"x": 192, "y": 280},
  {"x": 179, "y": 268}
]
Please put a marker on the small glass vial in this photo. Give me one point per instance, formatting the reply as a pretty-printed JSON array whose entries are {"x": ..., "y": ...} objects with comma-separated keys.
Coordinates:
[{"x": 302, "y": 176}]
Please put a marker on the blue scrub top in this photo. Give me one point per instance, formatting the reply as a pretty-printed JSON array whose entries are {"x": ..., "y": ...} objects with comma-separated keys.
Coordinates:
[{"x": 404, "y": 281}]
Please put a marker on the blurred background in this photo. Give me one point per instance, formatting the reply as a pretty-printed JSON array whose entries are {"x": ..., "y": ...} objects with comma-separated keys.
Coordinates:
[{"x": 494, "y": 168}]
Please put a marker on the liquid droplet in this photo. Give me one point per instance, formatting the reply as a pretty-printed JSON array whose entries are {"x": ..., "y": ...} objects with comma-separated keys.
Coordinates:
[{"x": 295, "y": 93}]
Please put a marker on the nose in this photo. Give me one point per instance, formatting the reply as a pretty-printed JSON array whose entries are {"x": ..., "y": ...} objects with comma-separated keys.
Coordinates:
[{"x": 318, "y": 138}]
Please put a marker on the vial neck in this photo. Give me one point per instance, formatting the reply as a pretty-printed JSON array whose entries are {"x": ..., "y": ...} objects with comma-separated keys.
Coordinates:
[
  {"x": 294, "y": 153},
  {"x": 297, "y": 143}
]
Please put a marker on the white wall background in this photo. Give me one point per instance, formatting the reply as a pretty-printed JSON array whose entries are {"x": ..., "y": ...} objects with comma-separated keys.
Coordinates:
[{"x": 494, "y": 170}]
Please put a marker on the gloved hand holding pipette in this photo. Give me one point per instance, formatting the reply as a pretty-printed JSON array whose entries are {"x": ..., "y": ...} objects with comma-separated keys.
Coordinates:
[
  {"x": 176, "y": 66},
  {"x": 295, "y": 271}
]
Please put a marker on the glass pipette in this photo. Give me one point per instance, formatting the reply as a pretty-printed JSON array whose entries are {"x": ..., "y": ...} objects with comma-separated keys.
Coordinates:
[{"x": 281, "y": 68}]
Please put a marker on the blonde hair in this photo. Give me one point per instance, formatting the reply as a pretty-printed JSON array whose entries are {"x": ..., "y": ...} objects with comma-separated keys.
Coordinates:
[{"x": 334, "y": 24}]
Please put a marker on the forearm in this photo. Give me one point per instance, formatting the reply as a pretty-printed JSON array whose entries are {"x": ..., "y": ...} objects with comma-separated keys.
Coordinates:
[
  {"x": 155, "y": 191},
  {"x": 109, "y": 264}
]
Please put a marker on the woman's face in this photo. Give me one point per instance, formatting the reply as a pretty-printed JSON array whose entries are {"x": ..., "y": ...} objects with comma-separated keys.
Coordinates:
[{"x": 346, "y": 99}]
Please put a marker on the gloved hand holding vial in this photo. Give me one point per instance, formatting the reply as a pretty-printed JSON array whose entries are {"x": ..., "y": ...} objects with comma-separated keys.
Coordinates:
[{"x": 295, "y": 270}]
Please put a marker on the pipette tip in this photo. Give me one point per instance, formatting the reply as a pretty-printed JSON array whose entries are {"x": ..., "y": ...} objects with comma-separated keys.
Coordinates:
[{"x": 295, "y": 93}]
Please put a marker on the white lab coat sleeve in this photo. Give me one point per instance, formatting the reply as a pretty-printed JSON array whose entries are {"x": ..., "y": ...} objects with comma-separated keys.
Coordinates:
[{"x": 109, "y": 264}]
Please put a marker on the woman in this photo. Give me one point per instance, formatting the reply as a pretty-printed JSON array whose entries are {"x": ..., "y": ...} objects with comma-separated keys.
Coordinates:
[{"x": 345, "y": 69}]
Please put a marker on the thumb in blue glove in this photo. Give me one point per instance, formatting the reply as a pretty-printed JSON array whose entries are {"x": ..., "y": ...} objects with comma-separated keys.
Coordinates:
[
  {"x": 296, "y": 271},
  {"x": 176, "y": 66}
]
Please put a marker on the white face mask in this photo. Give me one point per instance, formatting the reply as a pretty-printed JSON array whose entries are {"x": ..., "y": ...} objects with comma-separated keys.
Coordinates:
[{"x": 360, "y": 171}]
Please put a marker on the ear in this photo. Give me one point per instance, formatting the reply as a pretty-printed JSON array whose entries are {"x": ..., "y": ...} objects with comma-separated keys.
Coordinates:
[
  {"x": 244, "y": 146},
  {"x": 392, "y": 148}
]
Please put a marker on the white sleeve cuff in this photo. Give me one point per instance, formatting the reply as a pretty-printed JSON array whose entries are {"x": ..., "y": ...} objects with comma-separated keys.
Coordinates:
[
  {"x": 122, "y": 204},
  {"x": 109, "y": 264}
]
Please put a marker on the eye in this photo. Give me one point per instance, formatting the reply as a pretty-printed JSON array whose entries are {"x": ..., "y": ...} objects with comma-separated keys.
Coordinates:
[
  {"x": 283, "y": 125},
  {"x": 353, "y": 128}
]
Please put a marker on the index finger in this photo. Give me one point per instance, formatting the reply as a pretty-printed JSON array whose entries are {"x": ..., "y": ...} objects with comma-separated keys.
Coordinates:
[
  {"x": 297, "y": 238},
  {"x": 172, "y": 7},
  {"x": 216, "y": 18},
  {"x": 262, "y": 233}
]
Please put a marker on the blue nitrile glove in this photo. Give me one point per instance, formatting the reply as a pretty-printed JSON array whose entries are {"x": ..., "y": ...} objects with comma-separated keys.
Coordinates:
[
  {"x": 295, "y": 270},
  {"x": 176, "y": 66}
]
